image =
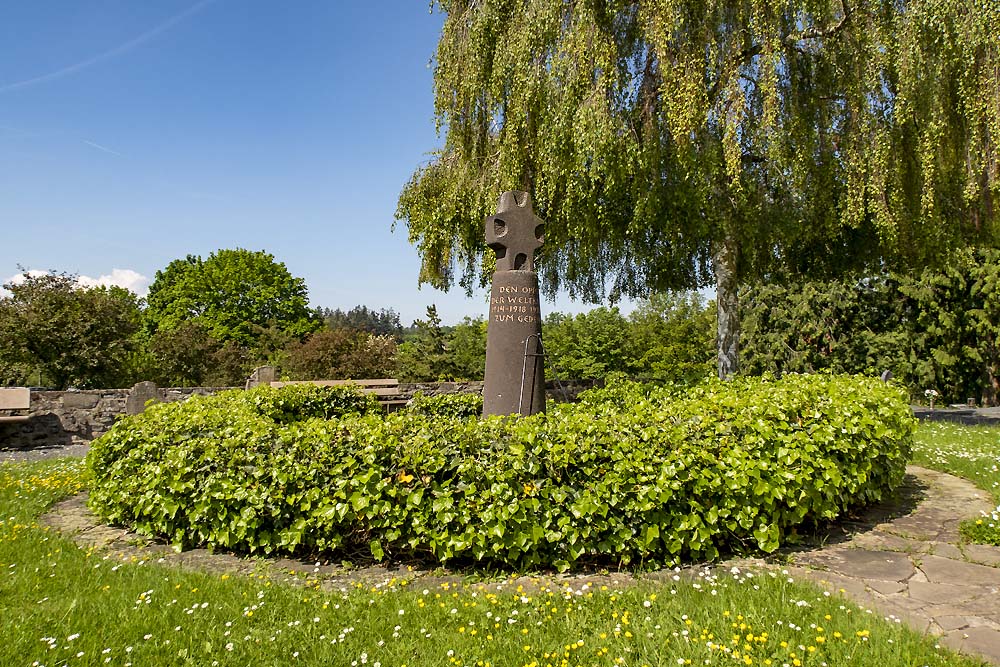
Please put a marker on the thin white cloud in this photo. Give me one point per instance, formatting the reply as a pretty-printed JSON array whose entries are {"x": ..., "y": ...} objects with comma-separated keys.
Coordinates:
[
  {"x": 102, "y": 148},
  {"x": 107, "y": 55},
  {"x": 127, "y": 278},
  {"x": 19, "y": 278}
]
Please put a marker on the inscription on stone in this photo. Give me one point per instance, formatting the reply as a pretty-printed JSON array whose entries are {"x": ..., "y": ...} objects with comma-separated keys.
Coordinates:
[
  {"x": 515, "y": 379},
  {"x": 515, "y": 305}
]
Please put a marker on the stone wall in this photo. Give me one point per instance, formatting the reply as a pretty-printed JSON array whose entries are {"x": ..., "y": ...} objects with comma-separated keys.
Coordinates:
[{"x": 62, "y": 418}]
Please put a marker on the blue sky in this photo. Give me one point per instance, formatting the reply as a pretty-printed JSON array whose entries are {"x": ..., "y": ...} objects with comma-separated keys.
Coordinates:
[{"x": 134, "y": 133}]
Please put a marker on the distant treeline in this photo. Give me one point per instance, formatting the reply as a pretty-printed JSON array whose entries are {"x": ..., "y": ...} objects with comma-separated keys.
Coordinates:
[{"x": 210, "y": 322}]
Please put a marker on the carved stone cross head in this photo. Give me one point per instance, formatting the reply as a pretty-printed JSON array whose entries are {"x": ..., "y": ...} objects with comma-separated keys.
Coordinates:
[{"x": 515, "y": 232}]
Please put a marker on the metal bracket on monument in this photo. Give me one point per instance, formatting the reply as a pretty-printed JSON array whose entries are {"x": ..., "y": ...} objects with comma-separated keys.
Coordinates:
[{"x": 524, "y": 370}]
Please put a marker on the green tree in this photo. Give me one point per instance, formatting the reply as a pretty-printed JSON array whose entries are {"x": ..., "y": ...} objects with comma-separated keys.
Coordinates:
[
  {"x": 183, "y": 356},
  {"x": 671, "y": 337},
  {"x": 424, "y": 355},
  {"x": 952, "y": 327},
  {"x": 939, "y": 329},
  {"x": 13, "y": 373},
  {"x": 68, "y": 334},
  {"x": 14, "y": 369},
  {"x": 467, "y": 348},
  {"x": 987, "y": 323},
  {"x": 237, "y": 294},
  {"x": 230, "y": 366},
  {"x": 384, "y": 322},
  {"x": 341, "y": 353},
  {"x": 586, "y": 346},
  {"x": 853, "y": 325},
  {"x": 672, "y": 144}
]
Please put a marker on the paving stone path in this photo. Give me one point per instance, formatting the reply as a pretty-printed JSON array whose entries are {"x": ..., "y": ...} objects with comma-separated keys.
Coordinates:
[
  {"x": 905, "y": 559},
  {"x": 902, "y": 558}
]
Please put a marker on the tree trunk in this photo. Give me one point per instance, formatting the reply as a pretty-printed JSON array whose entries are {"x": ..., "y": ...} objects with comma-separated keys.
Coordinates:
[
  {"x": 727, "y": 300},
  {"x": 991, "y": 390}
]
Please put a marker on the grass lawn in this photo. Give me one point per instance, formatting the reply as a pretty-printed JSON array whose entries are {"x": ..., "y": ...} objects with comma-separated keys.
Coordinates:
[
  {"x": 62, "y": 605},
  {"x": 972, "y": 452}
]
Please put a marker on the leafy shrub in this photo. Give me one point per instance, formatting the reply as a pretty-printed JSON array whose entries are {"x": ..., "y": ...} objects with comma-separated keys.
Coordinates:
[
  {"x": 726, "y": 467},
  {"x": 625, "y": 395},
  {"x": 448, "y": 405},
  {"x": 296, "y": 402},
  {"x": 340, "y": 353}
]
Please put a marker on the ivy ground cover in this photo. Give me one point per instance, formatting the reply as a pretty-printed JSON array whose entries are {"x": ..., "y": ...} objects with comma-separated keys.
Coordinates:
[
  {"x": 631, "y": 475},
  {"x": 64, "y": 605}
]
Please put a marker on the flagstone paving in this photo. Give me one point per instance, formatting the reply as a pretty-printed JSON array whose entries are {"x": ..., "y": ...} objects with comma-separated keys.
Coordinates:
[{"x": 903, "y": 559}]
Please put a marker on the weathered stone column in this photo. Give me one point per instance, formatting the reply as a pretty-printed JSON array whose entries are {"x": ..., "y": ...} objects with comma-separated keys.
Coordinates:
[{"x": 515, "y": 369}]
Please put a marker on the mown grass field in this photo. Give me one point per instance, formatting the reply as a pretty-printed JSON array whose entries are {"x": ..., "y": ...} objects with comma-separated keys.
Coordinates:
[
  {"x": 62, "y": 605},
  {"x": 972, "y": 452}
]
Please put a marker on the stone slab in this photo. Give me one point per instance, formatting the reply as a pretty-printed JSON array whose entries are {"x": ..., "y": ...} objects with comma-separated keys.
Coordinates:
[
  {"x": 141, "y": 393},
  {"x": 15, "y": 398},
  {"x": 986, "y": 606},
  {"x": 947, "y": 571},
  {"x": 893, "y": 611},
  {"x": 949, "y": 623},
  {"x": 80, "y": 400},
  {"x": 945, "y": 550},
  {"x": 873, "y": 565},
  {"x": 942, "y": 593},
  {"x": 926, "y": 526},
  {"x": 833, "y": 582},
  {"x": 100, "y": 536},
  {"x": 984, "y": 641},
  {"x": 982, "y": 554},
  {"x": 884, "y": 541},
  {"x": 887, "y": 587}
]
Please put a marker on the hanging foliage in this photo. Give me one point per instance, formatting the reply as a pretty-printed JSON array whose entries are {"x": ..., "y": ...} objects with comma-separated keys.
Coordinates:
[{"x": 803, "y": 137}]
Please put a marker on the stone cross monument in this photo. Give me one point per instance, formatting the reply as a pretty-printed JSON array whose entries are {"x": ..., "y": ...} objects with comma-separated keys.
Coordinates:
[{"x": 515, "y": 369}]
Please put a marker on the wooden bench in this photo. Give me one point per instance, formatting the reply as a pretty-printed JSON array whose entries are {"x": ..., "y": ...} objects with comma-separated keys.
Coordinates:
[
  {"x": 14, "y": 399},
  {"x": 385, "y": 390}
]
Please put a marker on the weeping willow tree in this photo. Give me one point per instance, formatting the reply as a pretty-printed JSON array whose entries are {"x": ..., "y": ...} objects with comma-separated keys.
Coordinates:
[{"x": 676, "y": 144}]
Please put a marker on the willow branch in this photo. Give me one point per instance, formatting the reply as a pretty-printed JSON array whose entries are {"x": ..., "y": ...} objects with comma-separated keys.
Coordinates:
[{"x": 822, "y": 33}]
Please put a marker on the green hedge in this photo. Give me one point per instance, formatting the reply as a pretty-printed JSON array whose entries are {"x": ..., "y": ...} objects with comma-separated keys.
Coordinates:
[
  {"x": 448, "y": 405},
  {"x": 296, "y": 402},
  {"x": 725, "y": 467}
]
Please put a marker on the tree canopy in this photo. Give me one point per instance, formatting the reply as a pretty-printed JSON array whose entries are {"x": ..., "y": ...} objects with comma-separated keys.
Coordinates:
[
  {"x": 670, "y": 144},
  {"x": 937, "y": 329},
  {"x": 383, "y": 322},
  {"x": 667, "y": 338},
  {"x": 189, "y": 356},
  {"x": 236, "y": 295},
  {"x": 340, "y": 353},
  {"x": 56, "y": 332}
]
